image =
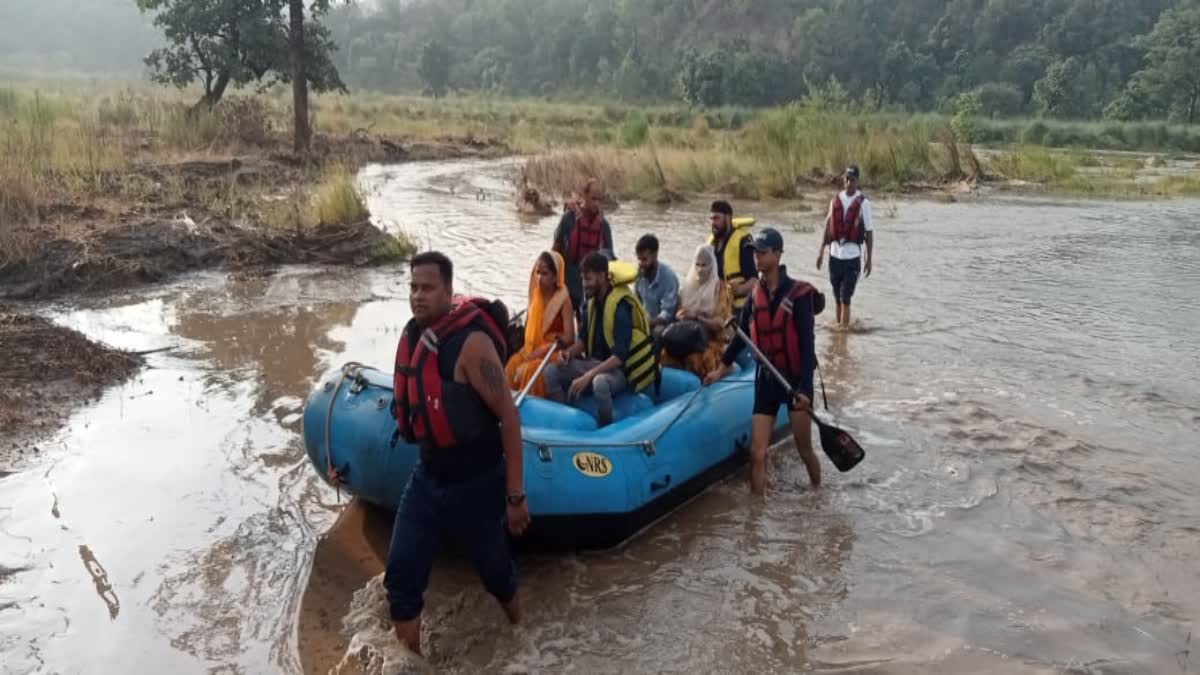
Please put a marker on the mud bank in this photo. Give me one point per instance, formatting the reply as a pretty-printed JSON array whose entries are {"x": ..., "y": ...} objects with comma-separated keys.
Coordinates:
[
  {"x": 48, "y": 370},
  {"x": 161, "y": 216},
  {"x": 154, "y": 251}
]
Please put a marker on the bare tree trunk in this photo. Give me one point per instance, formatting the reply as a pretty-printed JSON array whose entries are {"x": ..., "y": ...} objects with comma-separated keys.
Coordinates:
[
  {"x": 302, "y": 132},
  {"x": 213, "y": 91}
]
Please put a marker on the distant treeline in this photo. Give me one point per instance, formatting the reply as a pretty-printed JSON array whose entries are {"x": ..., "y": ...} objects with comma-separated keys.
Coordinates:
[
  {"x": 1125, "y": 59},
  {"x": 1073, "y": 59}
]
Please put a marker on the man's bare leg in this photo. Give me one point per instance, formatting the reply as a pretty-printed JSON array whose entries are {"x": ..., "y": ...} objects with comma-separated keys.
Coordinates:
[
  {"x": 512, "y": 609},
  {"x": 409, "y": 634},
  {"x": 760, "y": 439},
  {"x": 845, "y": 316},
  {"x": 802, "y": 433}
]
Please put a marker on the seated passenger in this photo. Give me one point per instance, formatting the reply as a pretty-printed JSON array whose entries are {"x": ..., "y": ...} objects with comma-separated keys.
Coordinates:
[
  {"x": 696, "y": 341},
  {"x": 616, "y": 351},
  {"x": 657, "y": 285},
  {"x": 550, "y": 317}
]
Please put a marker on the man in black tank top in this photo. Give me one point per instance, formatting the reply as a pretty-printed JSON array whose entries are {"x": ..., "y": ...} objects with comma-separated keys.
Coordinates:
[{"x": 470, "y": 490}]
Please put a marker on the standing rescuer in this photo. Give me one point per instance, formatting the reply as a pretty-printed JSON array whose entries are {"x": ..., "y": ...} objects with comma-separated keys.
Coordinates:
[
  {"x": 779, "y": 318},
  {"x": 848, "y": 229},
  {"x": 451, "y": 398},
  {"x": 581, "y": 231}
]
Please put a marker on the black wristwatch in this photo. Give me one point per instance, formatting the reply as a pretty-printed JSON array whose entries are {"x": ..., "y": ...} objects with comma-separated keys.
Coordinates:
[{"x": 516, "y": 500}]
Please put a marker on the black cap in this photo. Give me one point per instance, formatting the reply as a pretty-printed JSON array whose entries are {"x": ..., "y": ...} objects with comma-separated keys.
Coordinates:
[
  {"x": 852, "y": 171},
  {"x": 722, "y": 206},
  {"x": 768, "y": 239}
]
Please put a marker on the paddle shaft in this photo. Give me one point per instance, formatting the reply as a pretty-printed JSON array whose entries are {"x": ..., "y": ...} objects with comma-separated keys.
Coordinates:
[
  {"x": 763, "y": 360},
  {"x": 536, "y": 374}
]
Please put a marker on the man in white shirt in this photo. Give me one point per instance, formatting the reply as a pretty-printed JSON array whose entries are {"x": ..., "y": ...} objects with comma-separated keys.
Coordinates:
[{"x": 847, "y": 234}]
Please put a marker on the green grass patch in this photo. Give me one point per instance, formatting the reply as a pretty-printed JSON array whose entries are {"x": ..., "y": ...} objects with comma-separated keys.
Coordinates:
[
  {"x": 1034, "y": 164},
  {"x": 339, "y": 201},
  {"x": 393, "y": 249}
]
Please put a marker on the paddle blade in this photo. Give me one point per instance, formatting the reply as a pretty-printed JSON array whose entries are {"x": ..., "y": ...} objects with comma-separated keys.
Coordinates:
[{"x": 843, "y": 451}]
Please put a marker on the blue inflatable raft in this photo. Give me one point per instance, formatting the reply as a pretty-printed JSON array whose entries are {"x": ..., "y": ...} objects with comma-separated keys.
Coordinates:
[{"x": 587, "y": 488}]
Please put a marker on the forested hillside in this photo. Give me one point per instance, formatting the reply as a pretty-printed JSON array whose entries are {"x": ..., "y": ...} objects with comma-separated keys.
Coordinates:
[{"x": 1064, "y": 58}]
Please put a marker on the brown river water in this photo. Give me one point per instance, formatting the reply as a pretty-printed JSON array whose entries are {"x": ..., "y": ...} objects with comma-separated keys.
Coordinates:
[{"x": 1024, "y": 374}]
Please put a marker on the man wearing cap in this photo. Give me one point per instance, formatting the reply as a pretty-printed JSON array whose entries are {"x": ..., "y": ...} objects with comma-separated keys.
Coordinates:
[
  {"x": 779, "y": 318},
  {"x": 734, "y": 249},
  {"x": 847, "y": 230}
]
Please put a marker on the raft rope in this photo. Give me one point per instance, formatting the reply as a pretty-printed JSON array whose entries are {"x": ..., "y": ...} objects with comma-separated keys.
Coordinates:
[{"x": 331, "y": 474}]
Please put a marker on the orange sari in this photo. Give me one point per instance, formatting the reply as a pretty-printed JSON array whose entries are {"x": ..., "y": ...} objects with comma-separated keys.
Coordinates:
[{"x": 543, "y": 325}]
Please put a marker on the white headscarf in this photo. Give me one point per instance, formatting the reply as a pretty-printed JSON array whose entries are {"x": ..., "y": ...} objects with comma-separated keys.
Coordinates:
[{"x": 698, "y": 295}]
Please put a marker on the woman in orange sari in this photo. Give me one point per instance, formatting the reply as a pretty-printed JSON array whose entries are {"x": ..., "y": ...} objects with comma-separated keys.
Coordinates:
[{"x": 550, "y": 317}]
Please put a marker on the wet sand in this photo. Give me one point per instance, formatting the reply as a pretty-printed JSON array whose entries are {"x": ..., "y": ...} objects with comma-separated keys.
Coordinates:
[{"x": 348, "y": 556}]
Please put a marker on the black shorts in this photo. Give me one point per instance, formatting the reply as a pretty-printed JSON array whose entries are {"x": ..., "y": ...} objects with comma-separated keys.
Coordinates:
[
  {"x": 769, "y": 394},
  {"x": 843, "y": 274}
]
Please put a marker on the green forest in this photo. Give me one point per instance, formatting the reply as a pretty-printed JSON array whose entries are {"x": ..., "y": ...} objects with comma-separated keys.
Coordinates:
[
  {"x": 1120, "y": 59},
  {"x": 1067, "y": 59}
]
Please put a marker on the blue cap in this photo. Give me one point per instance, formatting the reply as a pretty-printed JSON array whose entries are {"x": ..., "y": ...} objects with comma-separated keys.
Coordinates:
[{"x": 768, "y": 239}]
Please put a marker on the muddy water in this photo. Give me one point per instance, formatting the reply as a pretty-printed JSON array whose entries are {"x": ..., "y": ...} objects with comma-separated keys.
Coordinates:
[{"x": 1024, "y": 375}]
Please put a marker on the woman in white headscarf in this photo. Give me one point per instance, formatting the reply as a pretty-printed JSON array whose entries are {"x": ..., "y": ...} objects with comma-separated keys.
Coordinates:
[{"x": 703, "y": 299}]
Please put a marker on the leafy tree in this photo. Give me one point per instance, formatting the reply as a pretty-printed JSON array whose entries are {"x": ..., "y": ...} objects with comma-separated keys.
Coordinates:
[
  {"x": 435, "y": 68},
  {"x": 218, "y": 42},
  {"x": 238, "y": 42},
  {"x": 702, "y": 76},
  {"x": 1024, "y": 66},
  {"x": 963, "y": 123},
  {"x": 1060, "y": 93},
  {"x": 1000, "y": 99},
  {"x": 1170, "y": 80}
]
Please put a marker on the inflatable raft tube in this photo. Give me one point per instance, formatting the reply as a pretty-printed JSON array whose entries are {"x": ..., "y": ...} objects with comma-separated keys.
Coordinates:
[{"x": 587, "y": 488}]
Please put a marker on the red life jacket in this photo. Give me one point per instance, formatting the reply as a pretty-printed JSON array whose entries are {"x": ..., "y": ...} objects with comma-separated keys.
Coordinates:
[
  {"x": 587, "y": 236},
  {"x": 775, "y": 334},
  {"x": 431, "y": 410},
  {"x": 846, "y": 224}
]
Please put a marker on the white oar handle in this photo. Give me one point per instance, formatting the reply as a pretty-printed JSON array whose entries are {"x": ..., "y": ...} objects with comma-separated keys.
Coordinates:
[{"x": 536, "y": 374}]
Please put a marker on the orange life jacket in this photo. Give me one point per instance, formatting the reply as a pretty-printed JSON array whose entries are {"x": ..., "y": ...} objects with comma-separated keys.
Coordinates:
[
  {"x": 433, "y": 411},
  {"x": 775, "y": 333}
]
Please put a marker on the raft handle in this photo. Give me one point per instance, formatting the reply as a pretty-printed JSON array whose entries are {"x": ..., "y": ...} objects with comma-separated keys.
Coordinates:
[
  {"x": 655, "y": 486},
  {"x": 544, "y": 453},
  {"x": 648, "y": 448},
  {"x": 359, "y": 382}
]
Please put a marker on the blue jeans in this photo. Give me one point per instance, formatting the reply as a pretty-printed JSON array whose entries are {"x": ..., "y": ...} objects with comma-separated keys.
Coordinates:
[{"x": 472, "y": 513}]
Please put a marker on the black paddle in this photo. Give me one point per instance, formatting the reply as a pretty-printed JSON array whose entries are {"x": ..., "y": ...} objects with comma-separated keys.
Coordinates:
[{"x": 839, "y": 446}]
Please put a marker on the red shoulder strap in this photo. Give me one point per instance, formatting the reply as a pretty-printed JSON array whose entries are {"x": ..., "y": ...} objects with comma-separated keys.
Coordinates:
[
  {"x": 800, "y": 289},
  {"x": 468, "y": 311}
]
